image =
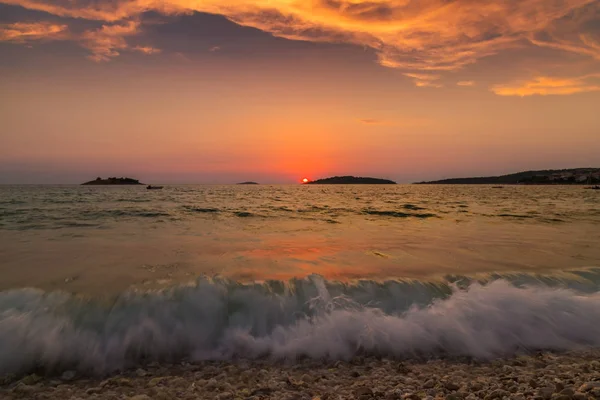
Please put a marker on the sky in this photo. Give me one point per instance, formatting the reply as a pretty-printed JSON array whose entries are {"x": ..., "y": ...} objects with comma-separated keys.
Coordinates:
[{"x": 216, "y": 91}]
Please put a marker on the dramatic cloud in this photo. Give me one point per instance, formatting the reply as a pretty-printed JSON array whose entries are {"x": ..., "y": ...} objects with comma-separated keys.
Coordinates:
[
  {"x": 550, "y": 86},
  {"x": 413, "y": 35},
  {"x": 21, "y": 32},
  {"x": 98, "y": 10}
]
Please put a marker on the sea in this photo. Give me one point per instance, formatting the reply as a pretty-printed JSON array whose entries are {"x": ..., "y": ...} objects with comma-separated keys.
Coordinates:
[{"x": 100, "y": 279}]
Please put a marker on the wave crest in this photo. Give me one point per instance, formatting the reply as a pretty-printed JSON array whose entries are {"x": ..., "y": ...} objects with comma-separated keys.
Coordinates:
[{"x": 218, "y": 319}]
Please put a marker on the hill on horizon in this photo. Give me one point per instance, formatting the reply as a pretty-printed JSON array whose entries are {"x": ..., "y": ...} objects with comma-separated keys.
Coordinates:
[{"x": 572, "y": 176}]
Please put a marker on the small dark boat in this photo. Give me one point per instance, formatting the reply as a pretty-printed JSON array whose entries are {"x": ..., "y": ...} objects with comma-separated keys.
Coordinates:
[
  {"x": 497, "y": 187},
  {"x": 150, "y": 187}
]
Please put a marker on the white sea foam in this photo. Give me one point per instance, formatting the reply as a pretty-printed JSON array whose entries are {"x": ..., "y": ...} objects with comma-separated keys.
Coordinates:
[{"x": 303, "y": 318}]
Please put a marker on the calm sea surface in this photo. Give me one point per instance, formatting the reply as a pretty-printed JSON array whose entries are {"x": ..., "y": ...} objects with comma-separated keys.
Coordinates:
[
  {"x": 96, "y": 279},
  {"x": 98, "y": 239}
]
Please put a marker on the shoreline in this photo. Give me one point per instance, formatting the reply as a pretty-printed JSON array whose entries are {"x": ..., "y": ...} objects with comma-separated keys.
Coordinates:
[{"x": 542, "y": 376}]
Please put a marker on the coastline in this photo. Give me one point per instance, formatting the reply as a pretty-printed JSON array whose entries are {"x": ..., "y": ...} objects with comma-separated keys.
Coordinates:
[{"x": 563, "y": 376}]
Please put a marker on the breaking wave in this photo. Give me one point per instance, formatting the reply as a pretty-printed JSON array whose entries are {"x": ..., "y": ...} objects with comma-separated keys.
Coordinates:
[{"x": 312, "y": 317}]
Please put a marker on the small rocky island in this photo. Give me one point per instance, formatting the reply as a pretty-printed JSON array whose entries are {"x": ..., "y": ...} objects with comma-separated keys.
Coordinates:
[
  {"x": 248, "y": 183},
  {"x": 351, "y": 180},
  {"x": 113, "y": 181}
]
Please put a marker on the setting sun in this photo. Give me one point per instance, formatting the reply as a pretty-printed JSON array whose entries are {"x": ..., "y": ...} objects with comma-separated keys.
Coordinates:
[{"x": 305, "y": 180}]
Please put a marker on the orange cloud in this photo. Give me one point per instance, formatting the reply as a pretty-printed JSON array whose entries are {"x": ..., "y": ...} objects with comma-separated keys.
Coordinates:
[
  {"x": 466, "y": 83},
  {"x": 109, "y": 11},
  {"x": 425, "y": 80},
  {"x": 545, "y": 86},
  {"x": 413, "y": 35},
  {"x": 146, "y": 50},
  {"x": 22, "y": 32},
  {"x": 106, "y": 42}
]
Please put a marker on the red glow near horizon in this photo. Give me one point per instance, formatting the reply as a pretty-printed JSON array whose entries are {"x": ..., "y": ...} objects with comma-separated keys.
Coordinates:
[{"x": 305, "y": 180}]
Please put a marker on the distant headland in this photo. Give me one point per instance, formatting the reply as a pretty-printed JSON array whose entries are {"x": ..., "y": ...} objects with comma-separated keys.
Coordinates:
[
  {"x": 113, "y": 181},
  {"x": 574, "y": 176},
  {"x": 248, "y": 183},
  {"x": 351, "y": 180}
]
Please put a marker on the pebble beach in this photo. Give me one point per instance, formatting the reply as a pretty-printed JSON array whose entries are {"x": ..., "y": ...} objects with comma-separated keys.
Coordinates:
[{"x": 541, "y": 376}]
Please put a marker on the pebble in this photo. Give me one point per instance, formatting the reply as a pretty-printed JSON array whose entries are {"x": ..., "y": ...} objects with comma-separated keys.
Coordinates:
[
  {"x": 93, "y": 390},
  {"x": 567, "y": 391},
  {"x": 68, "y": 375},
  {"x": 429, "y": 384},
  {"x": 533, "y": 383},
  {"x": 140, "y": 397},
  {"x": 294, "y": 396},
  {"x": 212, "y": 383},
  {"x": 155, "y": 381},
  {"x": 122, "y": 382},
  {"x": 363, "y": 391},
  {"x": 31, "y": 379},
  {"x": 369, "y": 379},
  {"x": 497, "y": 394},
  {"x": 25, "y": 389},
  {"x": 586, "y": 387},
  {"x": 546, "y": 392}
]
